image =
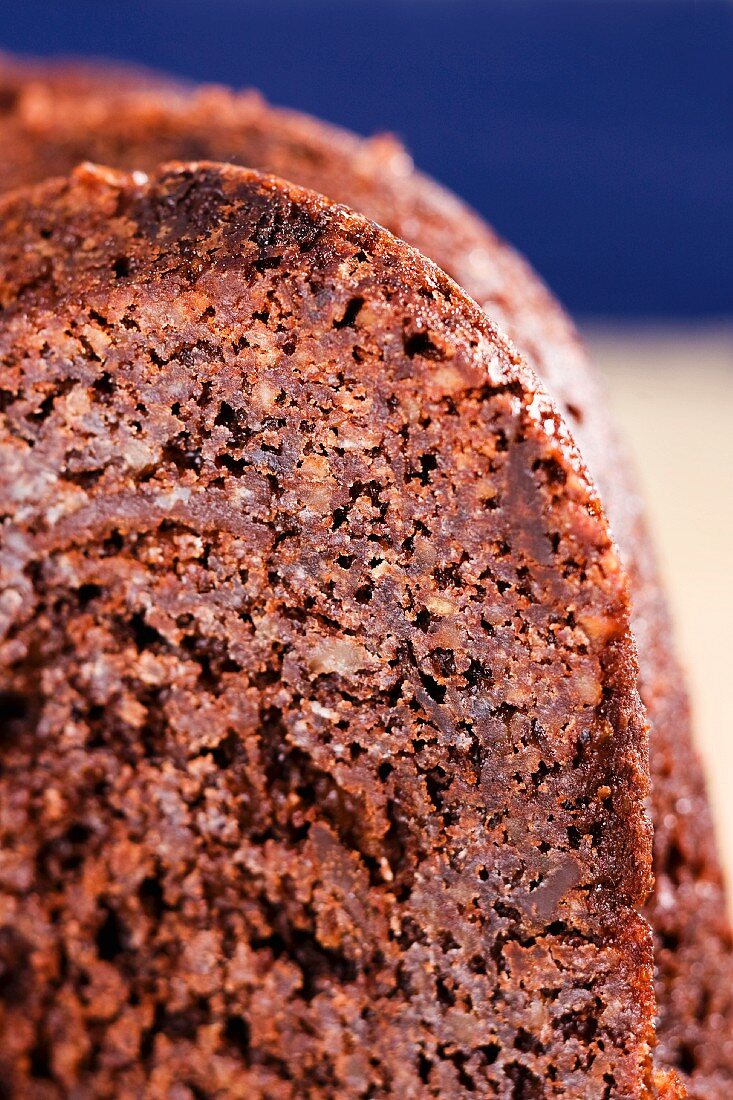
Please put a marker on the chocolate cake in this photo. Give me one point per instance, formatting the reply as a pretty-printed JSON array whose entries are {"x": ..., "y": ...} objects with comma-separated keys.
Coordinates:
[
  {"x": 323, "y": 760},
  {"x": 693, "y": 954}
]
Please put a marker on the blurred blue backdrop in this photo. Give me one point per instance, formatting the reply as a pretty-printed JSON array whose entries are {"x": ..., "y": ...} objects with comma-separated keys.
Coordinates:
[{"x": 597, "y": 136}]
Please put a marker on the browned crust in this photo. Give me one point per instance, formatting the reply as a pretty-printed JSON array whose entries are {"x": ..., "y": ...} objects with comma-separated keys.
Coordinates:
[{"x": 71, "y": 77}]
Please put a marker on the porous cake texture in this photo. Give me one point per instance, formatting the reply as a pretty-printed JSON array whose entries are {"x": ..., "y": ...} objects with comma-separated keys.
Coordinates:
[{"x": 324, "y": 763}]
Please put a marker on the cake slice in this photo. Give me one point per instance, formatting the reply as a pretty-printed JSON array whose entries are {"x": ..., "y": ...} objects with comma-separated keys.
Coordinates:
[
  {"x": 324, "y": 763},
  {"x": 693, "y": 953}
]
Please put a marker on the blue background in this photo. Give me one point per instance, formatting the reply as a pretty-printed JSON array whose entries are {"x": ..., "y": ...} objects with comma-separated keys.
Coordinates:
[{"x": 597, "y": 135}]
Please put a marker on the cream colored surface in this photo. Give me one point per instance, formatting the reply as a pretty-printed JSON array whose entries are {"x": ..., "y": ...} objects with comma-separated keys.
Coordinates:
[{"x": 672, "y": 392}]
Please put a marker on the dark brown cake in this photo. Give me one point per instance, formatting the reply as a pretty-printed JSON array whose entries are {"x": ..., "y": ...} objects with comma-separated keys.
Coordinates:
[
  {"x": 323, "y": 760},
  {"x": 688, "y": 910}
]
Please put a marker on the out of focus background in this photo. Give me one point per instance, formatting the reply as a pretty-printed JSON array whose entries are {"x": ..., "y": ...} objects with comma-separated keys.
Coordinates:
[{"x": 597, "y": 136}]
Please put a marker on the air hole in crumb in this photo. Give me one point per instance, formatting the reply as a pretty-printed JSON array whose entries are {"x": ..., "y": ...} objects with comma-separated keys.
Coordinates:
[
  {"x": 13, "y": 707},
  {"x": 419, "y": 343},
  {"x": 477, "y": 964},
  {"x": 225, "y": 753},
  {"x": 235, "y": 466},
  {"x": 339, "y": 517},
  {"x": 491, "y": 1052},
  {"x": 40, "y": 1059},
  {"x": 109, "y": 938},
  {"x": 674, "y": 862},
  {"x": 428, "y": 463},
  {"x": 104, "y": 384},
  {"x": 424, "y": 1066},
  {"x": 151, "y": 896},
  {"x": 237, "y": 1032},
  {"x": 527, "y": 1086},
  {"x": 669, "y": 941},
  {"x": 87, "y": 593},
  {"x": 182, "y": 457},
  {"x": 686, "y": 1058},
  {"x": 435, "y": 690},
  {"x": 363, "y": 594},
  {"x": 422, "y": 620},
  {"x": 350, "y": 313},
  {"x": 446, "y": 996},
  {"x": 144, "y": 635},
  {"x": 78, "y": 833}
]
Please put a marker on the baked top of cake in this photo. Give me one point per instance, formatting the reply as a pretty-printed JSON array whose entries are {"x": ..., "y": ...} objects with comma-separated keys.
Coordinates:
[
  {"x": 71, "y": 77},
  {"x": 688, "y": 908},
  {"x": 324, "y": 761}
]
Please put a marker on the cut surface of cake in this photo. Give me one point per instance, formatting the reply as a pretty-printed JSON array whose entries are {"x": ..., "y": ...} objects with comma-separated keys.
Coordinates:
[{"x": 323, "y": 758}]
